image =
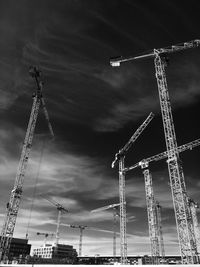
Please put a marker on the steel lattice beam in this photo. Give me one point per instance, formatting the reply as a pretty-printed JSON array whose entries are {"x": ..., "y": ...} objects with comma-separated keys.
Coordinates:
[
  {"x": 177, "y": 182},
  {"x": 160, "y": 232},
  {"x": 16, "y": 193},
  {"x": 122, "y": 200},
  {"x": 115, "y": 214},
  {"x": 194, "y": 206},
  {"x": 182, "y": 210},
  {"x": 152, "y": 217},
  {"x": 120, "y": 157},
  {"x": 163, "y": 155}
]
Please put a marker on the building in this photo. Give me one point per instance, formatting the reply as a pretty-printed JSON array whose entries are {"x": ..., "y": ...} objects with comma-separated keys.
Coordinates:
[
  {"x": 64, "y": 251},
  {"x": 51, "y": 251},
  {"x": 19, "y": 248},
  {"x": 132, "y": 260},
  {"x": 45, "y": 251}
]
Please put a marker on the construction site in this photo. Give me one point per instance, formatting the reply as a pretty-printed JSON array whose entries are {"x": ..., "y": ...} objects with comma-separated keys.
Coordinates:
[{"x": 104, "y": 152}]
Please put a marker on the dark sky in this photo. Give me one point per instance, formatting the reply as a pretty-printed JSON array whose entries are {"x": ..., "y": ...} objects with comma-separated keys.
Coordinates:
[{"x": 94, "y": 110}]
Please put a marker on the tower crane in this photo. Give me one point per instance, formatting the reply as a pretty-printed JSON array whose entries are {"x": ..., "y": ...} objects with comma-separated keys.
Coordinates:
[
  {"x": 16, "y": 193},
  {"x": 187, "y": 243},
  {"x": 115, "y": 214},
  {"x": 160, "y": 232},
  {"x": 61, "y": 210},
  {"x": 120, "y": 157},
  {"x": 81, "y": 227},
  {"x": 45, "y": 235},
  {"x": 144, "y": 163},
  {"x": 154, "y": 228},
  {"x": 194, "y": 206}
]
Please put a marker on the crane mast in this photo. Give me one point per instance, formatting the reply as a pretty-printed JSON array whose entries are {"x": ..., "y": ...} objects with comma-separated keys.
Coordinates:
[
  {"x": 122, "y": 200},
  {"x": 58, "y": 226},
  {"x": 61, "y": 210},
  {"x": 16, "y": 193},
  {"x": 194, "y": 206},
  {"x": 115, "y": 214},
  {"x": 81, "y": 240},
  {"x": 120, "y": 157},
  {"x": 187, "y": 243},
  {"x": 152, "y": 217},
  {"x": 81, "y": 227},
  {"x": 160, "y": 232},
  {"x": 153, "y": 228},
  {"x": 184, "y": 225}
]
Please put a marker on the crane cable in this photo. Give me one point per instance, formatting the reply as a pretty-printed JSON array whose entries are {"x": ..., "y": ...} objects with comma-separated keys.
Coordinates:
[{"x": 35, "y": 186}]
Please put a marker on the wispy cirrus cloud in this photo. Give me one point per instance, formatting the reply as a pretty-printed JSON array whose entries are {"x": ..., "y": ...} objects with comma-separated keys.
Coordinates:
[
  {"x": 140, "y": 99},
  {"x": 91, "y": 105}
]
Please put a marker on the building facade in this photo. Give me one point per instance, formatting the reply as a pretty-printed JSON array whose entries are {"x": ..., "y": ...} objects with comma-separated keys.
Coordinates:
[
  {"x": 19, "y": 248},
  {"x": 51, "y": 251},
  {"x": 132, "y": 260}
]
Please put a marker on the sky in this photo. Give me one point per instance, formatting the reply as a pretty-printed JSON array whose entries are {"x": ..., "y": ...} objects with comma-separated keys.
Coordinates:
[{"x": 94, "y": 110}]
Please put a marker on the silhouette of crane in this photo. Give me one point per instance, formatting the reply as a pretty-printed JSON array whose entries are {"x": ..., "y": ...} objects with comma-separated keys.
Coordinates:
[
  {"x": 185, "y": 229},
  {"x": 61, "y": 210},
  {"x": 115, "y": 214},
  {"x": 120, "y": 158},
  {"x": 16, "y": 194}
]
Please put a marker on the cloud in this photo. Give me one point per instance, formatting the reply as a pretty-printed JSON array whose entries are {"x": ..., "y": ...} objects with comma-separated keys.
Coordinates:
[
  {"x": 124, "y": 112},
  {"x": 9, "y": 159},
  {"x": 89, "y": 103},
  {"x": 139, "y": 95},
  {"x": 76, "y": 181},
  {"x": 60, "y": 175}
]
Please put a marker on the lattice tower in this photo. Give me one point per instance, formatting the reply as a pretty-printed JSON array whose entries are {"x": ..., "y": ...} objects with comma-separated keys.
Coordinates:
[
  {"x": 152, "y": 218},
  {"x": 122, "y": 200},
  {"x": 16, "y": 193},
  {"x": 160, "y": 232},
  {"x": 179, "y": 195}
]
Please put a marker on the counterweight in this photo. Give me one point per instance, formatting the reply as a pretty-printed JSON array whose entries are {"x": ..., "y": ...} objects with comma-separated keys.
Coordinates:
[{"x": 16, "y": 193}]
